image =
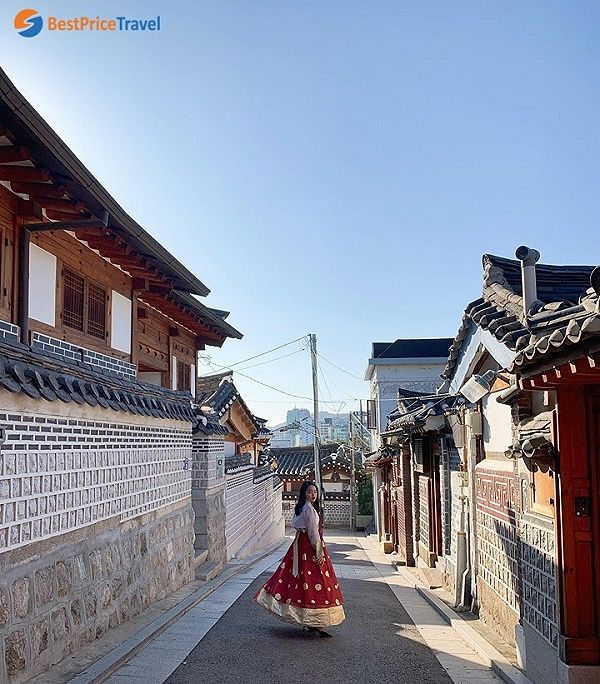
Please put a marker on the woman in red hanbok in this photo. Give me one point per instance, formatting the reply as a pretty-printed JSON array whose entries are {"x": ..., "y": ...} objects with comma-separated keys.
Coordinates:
[{"x": 304, "y": 589}]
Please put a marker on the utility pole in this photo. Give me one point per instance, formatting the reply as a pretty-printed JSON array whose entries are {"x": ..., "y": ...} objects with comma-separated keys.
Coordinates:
[
  {"x": 317, "y": 437},
  {"x": 352, "y": 480}
]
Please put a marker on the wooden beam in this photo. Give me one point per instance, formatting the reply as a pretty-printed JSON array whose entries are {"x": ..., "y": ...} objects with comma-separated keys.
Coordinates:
[
  {"x": 14, "y": 153},
  {"x": 173, "y": 332},
  {"x": 28, "y": 209},
  {"x": 65, "y": 216},
  {"x": 62, "y": 205},
  {"x": 23, "y": 173},
  {"x": 39, "y": 189}
]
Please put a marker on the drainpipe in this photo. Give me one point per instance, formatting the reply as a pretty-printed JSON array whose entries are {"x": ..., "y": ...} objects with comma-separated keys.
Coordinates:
[{"x": 528, "y": 258}]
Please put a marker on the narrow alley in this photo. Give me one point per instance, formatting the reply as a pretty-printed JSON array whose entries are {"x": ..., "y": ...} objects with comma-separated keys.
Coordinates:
[{"x": 390, "y": 629}]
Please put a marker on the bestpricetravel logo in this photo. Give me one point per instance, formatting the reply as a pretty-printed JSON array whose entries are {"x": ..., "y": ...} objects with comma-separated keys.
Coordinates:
[{"x": 28, "y": 23}]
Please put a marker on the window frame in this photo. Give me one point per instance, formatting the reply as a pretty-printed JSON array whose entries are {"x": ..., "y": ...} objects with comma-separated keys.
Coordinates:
[{"x": 88, "y": 283}]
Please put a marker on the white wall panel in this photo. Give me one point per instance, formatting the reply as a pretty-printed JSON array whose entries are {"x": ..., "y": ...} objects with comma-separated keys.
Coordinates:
[
  {"x": 121, "y": 323},
  {"x": 42, "y": 285}
]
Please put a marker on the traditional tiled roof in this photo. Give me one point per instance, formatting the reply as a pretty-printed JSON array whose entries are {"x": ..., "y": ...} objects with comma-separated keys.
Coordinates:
[
  {"x": 28, "y": 372},
  {"x": 262, "y": 473},
  {"x": 299, "y": 461},
  {"x": 500, "y": 309},
  {"x": 413, "y": 411},
  {"x": 208, "y": 424},
  {"x": 534, "y": 437},
  {"x": 412, "y": 348},
  {"x": 571, "y": 331},
  {"x": 219, "y": 393},
  {"x": 238, "y": 463}
]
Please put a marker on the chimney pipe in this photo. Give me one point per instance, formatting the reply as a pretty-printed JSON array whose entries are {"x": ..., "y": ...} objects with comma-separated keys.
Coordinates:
[{"x": 528, "y": 258}]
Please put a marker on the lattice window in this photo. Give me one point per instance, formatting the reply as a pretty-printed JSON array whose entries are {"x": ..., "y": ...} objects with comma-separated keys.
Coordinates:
[
  {"x": 96, "y": 324},
  {"x": 84, "y": 305},
  {"x": 73, "y": 300},
  {"x": 183, "y": 376}
]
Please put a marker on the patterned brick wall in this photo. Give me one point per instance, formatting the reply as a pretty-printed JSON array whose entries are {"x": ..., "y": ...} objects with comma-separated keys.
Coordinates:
[
  {"x": 59, "y": 474},
  {"x": 253, "y": 513},
  {"x": 9, "y": 332},
  {"x": 208, "y": 495},
  {"x": 423, "y": 485},
  {"x": 71, "y": 352},
  {"x": 497, "y": 542},
  {"x": 539, "y": 580}
]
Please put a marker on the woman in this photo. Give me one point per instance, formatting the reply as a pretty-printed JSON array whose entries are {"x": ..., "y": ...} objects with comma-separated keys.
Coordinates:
[{"x": 304, "y": 589}]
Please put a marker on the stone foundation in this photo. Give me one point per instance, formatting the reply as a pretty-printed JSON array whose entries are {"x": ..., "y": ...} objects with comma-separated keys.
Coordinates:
[{"x": 58, "y": 594}]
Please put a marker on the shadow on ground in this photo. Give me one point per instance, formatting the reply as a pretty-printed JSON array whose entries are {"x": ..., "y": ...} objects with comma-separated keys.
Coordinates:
[{"x": 377, "y": 643}]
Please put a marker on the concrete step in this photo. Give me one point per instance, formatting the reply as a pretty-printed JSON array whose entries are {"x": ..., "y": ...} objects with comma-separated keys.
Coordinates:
[
  {"x": 200, "y": 558},
  {"x": 208, "y": 571},
  {"x": 431, "y": 578}
]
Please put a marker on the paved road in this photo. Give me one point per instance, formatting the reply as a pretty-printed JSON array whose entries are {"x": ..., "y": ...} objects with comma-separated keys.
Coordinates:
[
  {"x": 377, "y": 643},
  {"x": 226, "y": 639}
]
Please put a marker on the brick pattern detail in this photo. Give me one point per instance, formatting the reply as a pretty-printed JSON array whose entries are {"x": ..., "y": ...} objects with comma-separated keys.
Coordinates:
[
  {"x": 59, "y": 474},
  {"x": 208, "y": 458},
  {"x": 497, "y": 493},
  {"x": 539, "y": 581},
  {"x": 497, "y": 548},
  {"x": 424, "y": 510},
  {"x": 251, "y": 509},
  {"x": 8, "y": 332},
  {"x": 57, "y": 599},
  {"x": 69, "y": 352},
  {"x": 449, "y": 464},
  {"x": 337, "y": 514}
]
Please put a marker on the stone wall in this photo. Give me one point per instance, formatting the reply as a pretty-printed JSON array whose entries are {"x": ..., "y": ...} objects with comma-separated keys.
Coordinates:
[
  {"x": 208, "y": 495},
  {"x": 60, "y": 593},
  {"x": 95, "y": 525}
]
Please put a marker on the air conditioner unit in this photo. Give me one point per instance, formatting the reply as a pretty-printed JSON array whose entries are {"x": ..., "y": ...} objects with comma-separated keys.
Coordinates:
[{"x": 473, "y": 420}]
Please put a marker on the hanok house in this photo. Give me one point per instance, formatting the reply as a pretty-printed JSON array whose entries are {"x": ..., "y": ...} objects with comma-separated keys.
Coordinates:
[
  {"x": 531, "y": 567},
  {"x": 561, "y": 359},
  {"x": 99, "y": 330},
  {"x": 417, "y": 465},
  {"x": 250, "y": 491},
  {"x": 416, "y": 366},
  {"x": 294, "y": 465}
]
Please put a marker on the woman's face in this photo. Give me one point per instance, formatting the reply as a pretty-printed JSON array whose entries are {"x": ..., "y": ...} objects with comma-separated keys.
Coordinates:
[{"x": 311, "y": 494}]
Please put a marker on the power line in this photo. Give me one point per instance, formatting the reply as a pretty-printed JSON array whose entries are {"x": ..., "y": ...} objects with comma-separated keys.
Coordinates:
[
  {"x": 340, "y": 369},
  {"x": 277, "y": 358},
  {"x": 237, "y": 363}
]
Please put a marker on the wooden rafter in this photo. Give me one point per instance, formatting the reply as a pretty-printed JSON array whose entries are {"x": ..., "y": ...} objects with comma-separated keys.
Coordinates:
[{"x": 181, "y": 315}]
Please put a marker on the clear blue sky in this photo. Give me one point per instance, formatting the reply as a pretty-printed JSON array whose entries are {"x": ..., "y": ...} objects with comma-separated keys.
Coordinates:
[{"x": 333, "y": 167}]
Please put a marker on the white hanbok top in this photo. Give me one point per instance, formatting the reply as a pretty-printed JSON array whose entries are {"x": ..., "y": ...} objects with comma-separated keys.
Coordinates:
[{"x": 308, "y": 520}]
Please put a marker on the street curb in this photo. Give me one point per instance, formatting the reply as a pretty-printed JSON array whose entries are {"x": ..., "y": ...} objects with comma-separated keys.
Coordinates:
[
  {"x": 105, "y": 666},
  {"x": 491, "y": 657}
]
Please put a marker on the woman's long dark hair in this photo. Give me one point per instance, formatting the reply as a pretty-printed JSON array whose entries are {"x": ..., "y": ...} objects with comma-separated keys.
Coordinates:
[{"x": 302, "y": 498}]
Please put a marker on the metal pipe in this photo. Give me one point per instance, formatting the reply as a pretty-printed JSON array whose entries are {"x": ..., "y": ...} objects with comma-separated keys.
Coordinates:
[
  {"x": 24, "y": 241},
  {"x": 528, "y": 258}
]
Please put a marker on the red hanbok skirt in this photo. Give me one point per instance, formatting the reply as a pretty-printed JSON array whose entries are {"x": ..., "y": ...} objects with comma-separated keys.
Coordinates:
[{"x": 313, "y": 598}]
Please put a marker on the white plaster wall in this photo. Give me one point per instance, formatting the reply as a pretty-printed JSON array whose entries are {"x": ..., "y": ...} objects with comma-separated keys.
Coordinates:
[
  {"x": 387, "y": 378},
  {"x": 497, "y": 425},
  {"x": 42, "y": 285},
  {"x": 121, "y": 323},
  {"x": 152, "y": 377}
]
